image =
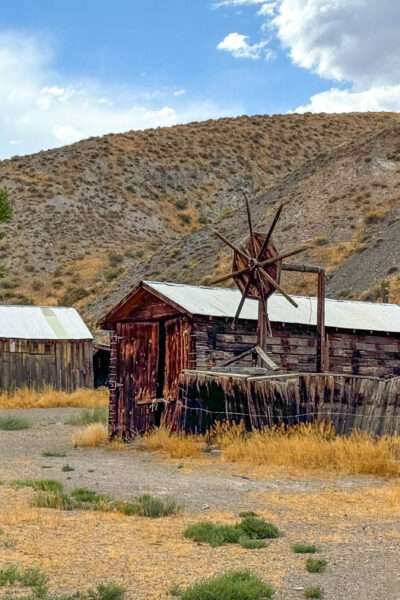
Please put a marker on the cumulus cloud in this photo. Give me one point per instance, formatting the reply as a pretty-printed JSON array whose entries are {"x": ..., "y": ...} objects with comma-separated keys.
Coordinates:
[
  {"x": 39, "y": 109},
  {"x": 354, "y": 42},
  {"x": 238, "y": 45}
]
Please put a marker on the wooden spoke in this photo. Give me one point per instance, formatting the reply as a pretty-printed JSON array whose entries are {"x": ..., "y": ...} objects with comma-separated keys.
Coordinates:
[
  {"x": 271, "y": 230},
  {"x": 231, "y": 245},
  {"x": 243, "y": 298},
  {"x": 271, "y": 261},
  {"x": 253, "y": 247},
  {"x": 277, "y": 286},
  {"x": 231, "y": 275}
]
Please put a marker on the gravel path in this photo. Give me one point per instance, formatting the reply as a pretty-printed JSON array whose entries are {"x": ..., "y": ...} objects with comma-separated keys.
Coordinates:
[{"x": 363, "y": 553}]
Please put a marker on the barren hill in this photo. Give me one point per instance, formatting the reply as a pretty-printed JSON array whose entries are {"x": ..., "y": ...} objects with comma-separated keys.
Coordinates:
[{"x": 92, "y": 218}]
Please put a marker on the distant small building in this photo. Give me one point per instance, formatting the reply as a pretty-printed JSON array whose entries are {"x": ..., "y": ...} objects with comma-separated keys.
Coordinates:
[
  {"x": 44, "y": 346},
  {"x": 161, "y": 329}
]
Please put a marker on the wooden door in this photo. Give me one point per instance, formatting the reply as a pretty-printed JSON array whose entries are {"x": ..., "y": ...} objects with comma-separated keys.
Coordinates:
[
  {"x": 177, "y": 355},
  {"x": 138, "y": 355}
]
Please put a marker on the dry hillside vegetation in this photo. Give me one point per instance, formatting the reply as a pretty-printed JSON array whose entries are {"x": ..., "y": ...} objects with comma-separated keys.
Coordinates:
[{"x": 92, "y": 216}]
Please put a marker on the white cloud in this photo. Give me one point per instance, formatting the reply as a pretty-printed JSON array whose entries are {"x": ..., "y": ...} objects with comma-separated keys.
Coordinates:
[
  {"x": 386, "y": 98},
  {"x": 237, "y": 45},
  {"x": 223, "y": 3},
  {"x": 180, "y": 92},
  {"x": 355, "y": 42},
  {"x": 39, "y": 109}
]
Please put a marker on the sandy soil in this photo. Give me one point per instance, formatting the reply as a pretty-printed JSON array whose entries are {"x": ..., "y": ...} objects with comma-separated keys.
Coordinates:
[{"x": 355, "y": 521}]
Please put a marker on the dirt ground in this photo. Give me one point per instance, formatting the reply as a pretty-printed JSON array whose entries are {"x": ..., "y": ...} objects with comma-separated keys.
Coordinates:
[{"x": 355, "y": 521}]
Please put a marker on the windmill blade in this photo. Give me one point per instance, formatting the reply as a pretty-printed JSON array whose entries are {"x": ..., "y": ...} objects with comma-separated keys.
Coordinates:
[
  {"x": 231, "y": 245},
  {"x": 242, "y": 300},
  {"x": 276, "y": 285},
  {"x": 271, "y": 261},
  {"x": 253, "y": 247},
  {"x": 271, "y": 230},
  {"x": 230, "y": 275}
]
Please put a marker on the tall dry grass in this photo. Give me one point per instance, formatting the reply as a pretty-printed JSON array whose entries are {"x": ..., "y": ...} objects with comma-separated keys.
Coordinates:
[
  {"x": 304, "y": 448},
  {"x": 49, "y": 398},
  {"x": 174, "y": 445},
  {"x": 91, "y": 436}
]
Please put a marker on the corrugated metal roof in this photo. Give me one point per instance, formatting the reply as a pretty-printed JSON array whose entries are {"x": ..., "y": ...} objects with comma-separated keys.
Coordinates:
[
  {"x": 42, "y": 323},
  {"x": 221, "y": 302}
]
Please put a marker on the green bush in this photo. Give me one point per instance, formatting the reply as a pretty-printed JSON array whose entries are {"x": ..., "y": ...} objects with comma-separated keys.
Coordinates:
[
  {"x": 316, "y": 565},
  {"x": 250, "y": 543},
  {"x": 12, "y": 423},
  {"x": 233, "y": 585},
  {"x": 250, "y": 528},
  {"x": 304, "y": 548},
  {"x": 258, "y": 529},
  {"x": 40, "y": 485}
]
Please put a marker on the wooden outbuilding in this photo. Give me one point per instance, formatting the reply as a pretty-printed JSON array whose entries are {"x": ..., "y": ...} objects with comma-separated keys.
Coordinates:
[
  {"x": 162, "y": 329},
  {"x": 44, "y": 347}
]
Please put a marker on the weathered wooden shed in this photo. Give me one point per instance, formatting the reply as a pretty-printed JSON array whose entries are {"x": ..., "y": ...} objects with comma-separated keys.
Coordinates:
[
  {"x": 44, "y": 346},
  {"x": 161, "y": 329}
]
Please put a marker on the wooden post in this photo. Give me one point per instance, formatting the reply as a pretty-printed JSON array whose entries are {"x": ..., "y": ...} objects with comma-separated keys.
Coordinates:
[
  {"x": 113, "y": 424},
  {"x": 262, "y": 330},
  {"x": 321, "y": 342}
]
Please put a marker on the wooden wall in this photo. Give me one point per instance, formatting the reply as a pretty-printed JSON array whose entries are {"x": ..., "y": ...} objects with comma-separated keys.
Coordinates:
[
  {"x": 63, "y": 365},
  {"x": 294, "y": 347}
]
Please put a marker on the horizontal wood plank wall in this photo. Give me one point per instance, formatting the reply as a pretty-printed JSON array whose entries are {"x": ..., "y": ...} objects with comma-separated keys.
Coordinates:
[
  {"x": 63, "y": 365},
  {"x": 294, "y": 348},
  {"x": 369, "y": 354}
]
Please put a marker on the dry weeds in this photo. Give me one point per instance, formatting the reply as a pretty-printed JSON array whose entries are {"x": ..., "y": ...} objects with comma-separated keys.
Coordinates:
[
  {"x": 302, "y": 449},
  {"x": 49, "y": 398},
  {"x": 91, "y": 436}
]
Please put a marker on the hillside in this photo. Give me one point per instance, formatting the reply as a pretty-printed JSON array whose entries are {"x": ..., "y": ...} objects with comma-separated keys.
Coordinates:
[{"x": 92, "y": 218}]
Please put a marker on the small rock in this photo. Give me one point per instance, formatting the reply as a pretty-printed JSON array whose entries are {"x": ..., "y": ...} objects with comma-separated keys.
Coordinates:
[{"x": 205, "y": 507}]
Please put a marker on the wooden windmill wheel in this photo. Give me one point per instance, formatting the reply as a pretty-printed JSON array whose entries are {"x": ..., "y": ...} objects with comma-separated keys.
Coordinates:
[{"x": 256, "y": 270}]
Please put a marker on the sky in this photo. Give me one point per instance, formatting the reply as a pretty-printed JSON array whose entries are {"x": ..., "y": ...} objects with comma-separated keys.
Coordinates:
[{"x": 71, "y": 69}]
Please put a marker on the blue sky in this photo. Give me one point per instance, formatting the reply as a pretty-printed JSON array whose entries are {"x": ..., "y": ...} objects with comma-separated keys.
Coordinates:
[{"x": 76, "y": 68}]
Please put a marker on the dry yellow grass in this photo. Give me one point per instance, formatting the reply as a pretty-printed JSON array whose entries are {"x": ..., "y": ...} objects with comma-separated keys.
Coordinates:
[
  {"x": 49, "y": 398},
  {"x": 91, "y": 436},
  {"x": 173, "y": 445},
  {"x": 306, "y": 448}
]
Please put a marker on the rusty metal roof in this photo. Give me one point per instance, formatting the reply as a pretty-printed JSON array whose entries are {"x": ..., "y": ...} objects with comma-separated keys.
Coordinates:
[
  {"x": 222, "y": 302},
  {"x": 42, "y": 323}
]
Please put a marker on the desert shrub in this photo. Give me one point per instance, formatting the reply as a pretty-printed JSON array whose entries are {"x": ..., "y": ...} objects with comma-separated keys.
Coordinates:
[
  {"x": 312, "y": 592},
  {"x": 304, "y": 548},
  {"x": 181, "y": 203},
  {"x": 67, "y": 468},
  {"x": 73, "y": 295},
  {"x": 233, "y": 585},
  {"x": 258, "y": 529},
  {"x": 98, "y": 414},
  {"x": 31, "y": 578},
  {"x": 149, "y": 506},
  {"x": 40, "y": 485},
  {"x": 316, "y": 565},
  {"x": 92, "y": 436},
  {"x": 250, "y": 543},
  {"x": 250, "y": 528},
  {"x": 13, "y": 423},
  {"x": 5, "y": 206},
  {"x": 84, "y": 496},
  {"x": 115, "y": 259}
]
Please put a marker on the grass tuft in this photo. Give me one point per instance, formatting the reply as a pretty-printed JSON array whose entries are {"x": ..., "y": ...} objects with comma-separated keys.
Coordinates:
[
  {"x": 313, "y": 592},
  {"x": 54, "y": 454},
  {"x": 98, "y": 414},
  {"x": 316, "y": 565},
  {"x": 13, "y": 423},
  {"x": 233, "y": 585},
  {"x": 92, "y": 436},
  {"x": 149, "y": 506},
  {"x": 40, "y": 485},
  {"x": 304, "y": 548},
  {"x": 175, "y": 445},
  {"x": 251, "y": 544}
]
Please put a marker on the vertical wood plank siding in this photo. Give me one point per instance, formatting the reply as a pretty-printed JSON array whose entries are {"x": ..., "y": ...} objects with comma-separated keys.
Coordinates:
[{"x": 63, "y": 365}]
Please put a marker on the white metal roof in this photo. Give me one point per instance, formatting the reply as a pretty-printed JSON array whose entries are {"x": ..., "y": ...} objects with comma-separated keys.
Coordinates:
[
  {"x": 222, "y": 302},
  {"x": 42, "y": 323}
]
